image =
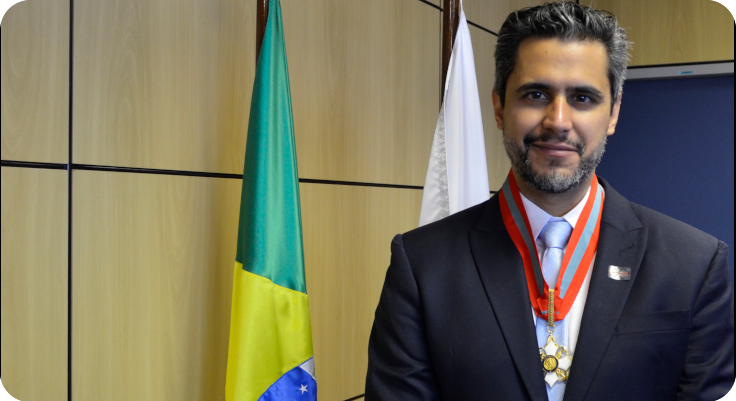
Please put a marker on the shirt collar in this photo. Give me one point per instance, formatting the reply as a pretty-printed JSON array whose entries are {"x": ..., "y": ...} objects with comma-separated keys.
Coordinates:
[{"x": 538, "y": 218}]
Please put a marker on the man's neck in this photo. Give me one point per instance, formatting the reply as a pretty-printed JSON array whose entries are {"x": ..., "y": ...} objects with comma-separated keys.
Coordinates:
[{"x": 555, "y": 204}]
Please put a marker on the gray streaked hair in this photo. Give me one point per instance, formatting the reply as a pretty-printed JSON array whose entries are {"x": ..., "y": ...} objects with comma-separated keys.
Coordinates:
[{"x": 565, "y": 21}]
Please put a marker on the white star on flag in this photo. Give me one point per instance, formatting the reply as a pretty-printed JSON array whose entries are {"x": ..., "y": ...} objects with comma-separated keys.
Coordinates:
[{"x": 303, "y": 389}]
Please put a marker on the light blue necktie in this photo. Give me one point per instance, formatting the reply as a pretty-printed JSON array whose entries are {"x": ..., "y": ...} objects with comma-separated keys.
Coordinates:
[{"x": 554, "y": 236}]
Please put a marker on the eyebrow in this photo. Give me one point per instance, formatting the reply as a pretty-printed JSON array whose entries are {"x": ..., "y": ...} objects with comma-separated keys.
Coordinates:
[
  {"x": 588, "y": 90},
  {"x": 585, "y": 89},
  {"x": 533, "y": 86}
]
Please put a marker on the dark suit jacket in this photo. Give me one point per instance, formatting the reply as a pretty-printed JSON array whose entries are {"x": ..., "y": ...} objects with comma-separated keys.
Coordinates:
[{"x": 454, "y": 319}]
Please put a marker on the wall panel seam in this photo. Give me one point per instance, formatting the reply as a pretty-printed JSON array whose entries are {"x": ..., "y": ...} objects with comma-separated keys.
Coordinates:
[
  {"x": 38, "y": 165},
  {"x": 69, "y": 201},
  {"x": 431, "y": 4},
  {"x": 679, "y": 64},
  {"x": 482, "y": 28},
  {"x": 90, "y": 167}
]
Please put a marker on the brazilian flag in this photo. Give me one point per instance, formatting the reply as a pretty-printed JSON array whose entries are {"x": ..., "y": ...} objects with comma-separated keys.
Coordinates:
[{"x": 270, "y": 355}]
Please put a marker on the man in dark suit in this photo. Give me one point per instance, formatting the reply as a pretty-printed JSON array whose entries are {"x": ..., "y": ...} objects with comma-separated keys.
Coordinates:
[{"x": 482, "y": 304}]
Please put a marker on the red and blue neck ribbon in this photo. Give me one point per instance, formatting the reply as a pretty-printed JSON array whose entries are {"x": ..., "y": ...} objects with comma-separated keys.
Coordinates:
[{"x": 579, "y": 253}]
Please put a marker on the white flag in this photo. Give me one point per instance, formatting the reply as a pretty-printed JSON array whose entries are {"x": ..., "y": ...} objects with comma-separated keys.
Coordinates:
[{"x": 457, "y": 177}]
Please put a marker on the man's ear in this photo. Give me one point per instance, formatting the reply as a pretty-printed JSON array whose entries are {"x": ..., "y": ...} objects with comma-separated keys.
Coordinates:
[
  {"x": 498, "y": 110},
  {"x": 614, "y": 115}
]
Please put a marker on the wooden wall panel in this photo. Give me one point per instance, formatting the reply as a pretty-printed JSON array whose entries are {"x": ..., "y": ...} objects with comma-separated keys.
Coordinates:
[
  {"x": 674, "y": 31},
  {"x": 34, "y": 284},
  {"x": 484, "y": 44},
  {"x": 365, "y": 87},
  {"x": 347, "y": 237},
  {"x": 163, "y": 84},
  {"x": 34, "y": 87},
  {"x": 492, "y": 14},
  {"x": 152, "y": 285}
]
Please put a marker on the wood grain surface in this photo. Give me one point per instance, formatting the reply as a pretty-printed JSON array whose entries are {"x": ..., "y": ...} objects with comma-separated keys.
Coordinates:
[
  {"x": 491, "y": 14},
  {"x": 347, "y": 237},
  {"x": 163, "y": 84},
  {"x": 674, "y": 31},
  {"x": 152, "y": 281},
  {"x": 365, "y": 88},
  {"x": 34, "y": 87},
  {"x": 152, "y": 284},
  {"x": 34, "y": 284}
]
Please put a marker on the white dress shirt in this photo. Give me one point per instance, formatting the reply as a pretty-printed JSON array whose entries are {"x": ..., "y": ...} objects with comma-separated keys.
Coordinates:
[{"x": 538, "y": 218}]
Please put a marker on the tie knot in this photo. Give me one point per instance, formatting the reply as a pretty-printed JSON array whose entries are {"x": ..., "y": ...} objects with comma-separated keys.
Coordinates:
[{"x": 556, "y": 233}]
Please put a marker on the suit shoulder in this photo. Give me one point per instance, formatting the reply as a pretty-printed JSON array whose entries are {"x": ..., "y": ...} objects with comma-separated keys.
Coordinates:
[
  {"x": 441, "y": 251},
  {"x": 450, "y": 226},
  {"x": 669, "y": 229}
]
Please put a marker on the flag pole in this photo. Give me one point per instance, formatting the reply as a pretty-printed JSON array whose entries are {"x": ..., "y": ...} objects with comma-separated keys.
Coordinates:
[
  {"x": 450, "y": 20},
  {"x": 261, "y": 20}
]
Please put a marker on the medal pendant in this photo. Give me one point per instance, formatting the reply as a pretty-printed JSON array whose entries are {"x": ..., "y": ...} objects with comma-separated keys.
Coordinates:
[{"x": 556, "y": 360}]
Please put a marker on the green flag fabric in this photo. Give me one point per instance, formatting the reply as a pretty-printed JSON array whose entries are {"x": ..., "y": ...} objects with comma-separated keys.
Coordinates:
[{"x": 270, "y": 355}]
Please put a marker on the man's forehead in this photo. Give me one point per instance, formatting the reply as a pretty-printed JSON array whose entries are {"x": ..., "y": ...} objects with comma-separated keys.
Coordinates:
[{"x": 551, "y": 60}]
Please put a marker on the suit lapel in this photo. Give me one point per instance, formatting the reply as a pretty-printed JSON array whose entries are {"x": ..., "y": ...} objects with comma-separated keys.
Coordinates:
[
  {"x": 621, "y": 243},
  {"x": 502, "y": 273}
]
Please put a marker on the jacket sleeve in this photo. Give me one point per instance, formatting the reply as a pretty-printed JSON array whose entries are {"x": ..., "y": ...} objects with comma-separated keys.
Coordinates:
[
  {"x": 399, "y": 366},
  {"x": 709, "y": 366}
]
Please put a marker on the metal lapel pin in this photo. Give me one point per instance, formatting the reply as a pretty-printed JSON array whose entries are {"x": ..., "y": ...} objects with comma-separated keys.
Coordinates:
[{"x": 619, "y": 273}]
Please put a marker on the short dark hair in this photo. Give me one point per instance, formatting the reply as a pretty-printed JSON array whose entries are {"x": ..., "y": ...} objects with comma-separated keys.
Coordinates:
[{"x": 564, "y": 21}]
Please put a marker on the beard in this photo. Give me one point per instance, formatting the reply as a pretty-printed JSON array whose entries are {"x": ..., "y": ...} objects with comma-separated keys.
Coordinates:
[{"x": 554, "y": 181}]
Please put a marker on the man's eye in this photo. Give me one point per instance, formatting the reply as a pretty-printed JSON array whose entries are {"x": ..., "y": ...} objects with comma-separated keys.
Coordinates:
[
  {"x": 535, "y": 95},
  {"x": 584, "y": 99}
]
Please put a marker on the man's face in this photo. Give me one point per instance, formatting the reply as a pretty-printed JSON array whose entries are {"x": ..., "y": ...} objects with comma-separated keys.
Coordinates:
[{"x": 558, "y": 112}]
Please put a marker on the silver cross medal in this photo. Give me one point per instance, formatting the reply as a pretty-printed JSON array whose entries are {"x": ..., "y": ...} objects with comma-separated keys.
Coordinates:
[{"x": 556, "y": 360}]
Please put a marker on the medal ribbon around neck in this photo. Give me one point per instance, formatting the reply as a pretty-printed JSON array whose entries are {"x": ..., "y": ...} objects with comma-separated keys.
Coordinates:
[{"x": 579, "y": 253}]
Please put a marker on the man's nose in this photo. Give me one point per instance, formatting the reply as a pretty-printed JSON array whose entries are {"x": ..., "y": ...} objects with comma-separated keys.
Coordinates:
[{"x": 559, "y": 116}]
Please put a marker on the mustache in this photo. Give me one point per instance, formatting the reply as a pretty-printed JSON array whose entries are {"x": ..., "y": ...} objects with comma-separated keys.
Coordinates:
[{"x": 548, "y": 137}]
